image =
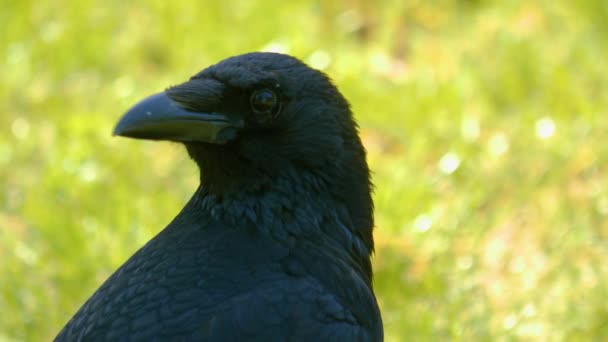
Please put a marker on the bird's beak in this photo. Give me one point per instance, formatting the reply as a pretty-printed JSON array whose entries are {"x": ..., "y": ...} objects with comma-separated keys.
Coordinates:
[{"x": 160, "y": 118}]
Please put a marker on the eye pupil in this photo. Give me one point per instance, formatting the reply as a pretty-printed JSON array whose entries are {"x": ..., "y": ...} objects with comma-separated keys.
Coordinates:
[{"x": 263, "y": 101}]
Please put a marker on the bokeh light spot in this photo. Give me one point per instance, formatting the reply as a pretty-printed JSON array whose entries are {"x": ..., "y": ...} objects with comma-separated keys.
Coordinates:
[
  {"x": 449, "y": 163},
  {"x": 545, "y": 128}
]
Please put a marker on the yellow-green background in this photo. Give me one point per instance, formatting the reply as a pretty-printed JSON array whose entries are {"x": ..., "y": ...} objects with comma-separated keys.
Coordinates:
[{"x": 486, "y": 125}]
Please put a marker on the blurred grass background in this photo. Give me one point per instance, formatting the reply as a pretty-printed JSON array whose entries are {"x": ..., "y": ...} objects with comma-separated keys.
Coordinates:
[{"x": 485, "y": 123}]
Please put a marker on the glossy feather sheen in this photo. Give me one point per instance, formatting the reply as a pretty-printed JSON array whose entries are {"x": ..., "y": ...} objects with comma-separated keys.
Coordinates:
[{"x": 274, "y": 245}]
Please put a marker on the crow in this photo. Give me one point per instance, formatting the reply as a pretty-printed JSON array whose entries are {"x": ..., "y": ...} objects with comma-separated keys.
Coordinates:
[{"x": 275, "y": 243}]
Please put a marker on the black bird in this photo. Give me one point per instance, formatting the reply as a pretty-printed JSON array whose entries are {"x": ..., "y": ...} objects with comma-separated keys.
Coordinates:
[{"x": 275, "y": 243}]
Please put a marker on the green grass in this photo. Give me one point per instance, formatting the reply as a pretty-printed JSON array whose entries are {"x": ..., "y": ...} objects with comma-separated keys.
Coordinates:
[{"x": 486, "y": 126}]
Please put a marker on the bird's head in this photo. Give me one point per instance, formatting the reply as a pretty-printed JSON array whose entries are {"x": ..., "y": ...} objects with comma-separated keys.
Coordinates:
[{"x": 257, "y": 117}]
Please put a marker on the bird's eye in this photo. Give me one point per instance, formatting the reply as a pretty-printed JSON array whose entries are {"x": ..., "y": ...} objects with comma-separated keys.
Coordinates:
[{"x": 264, "y": 102}]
